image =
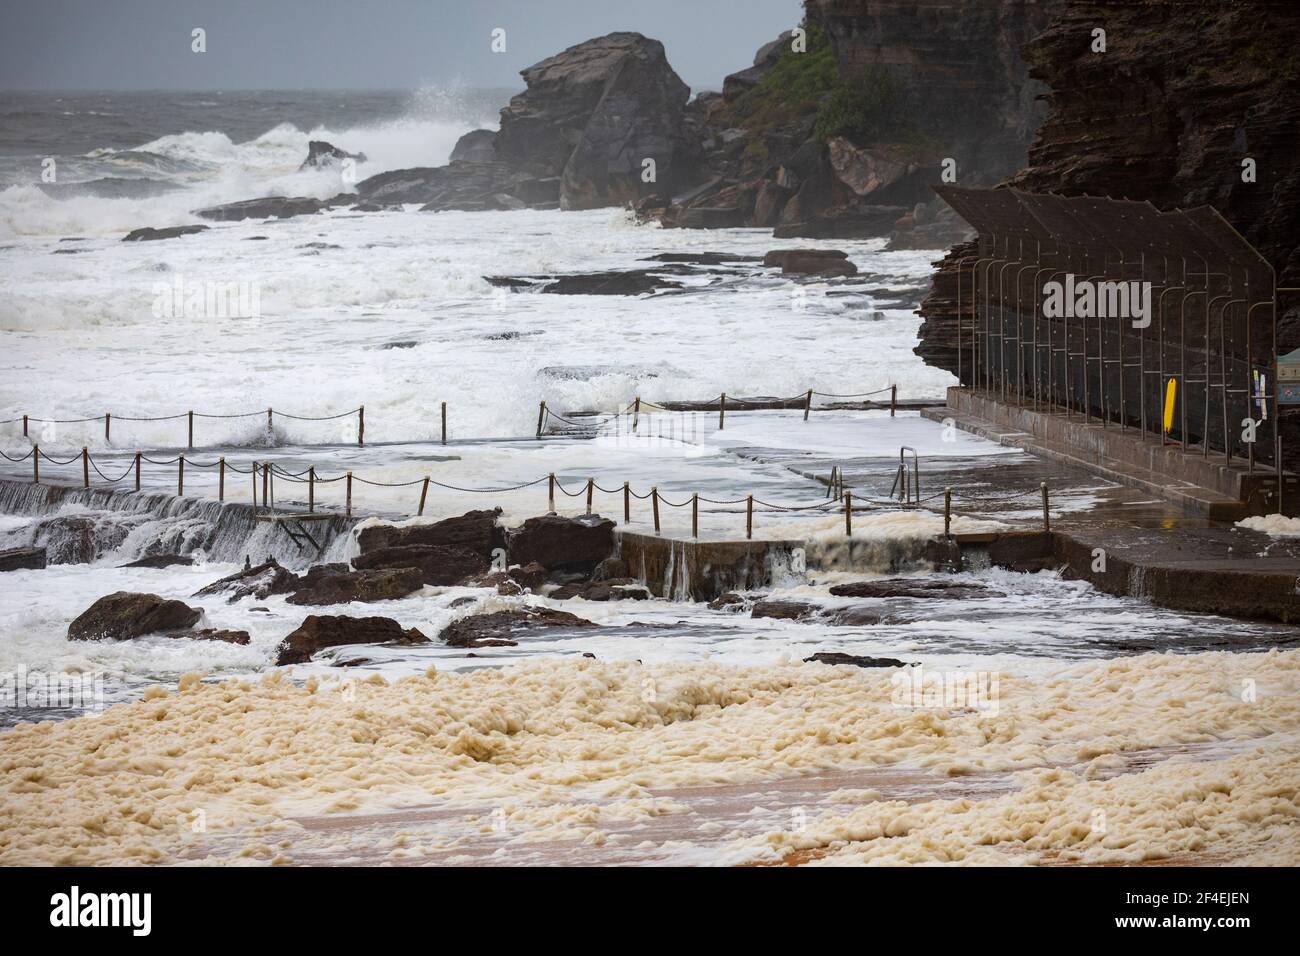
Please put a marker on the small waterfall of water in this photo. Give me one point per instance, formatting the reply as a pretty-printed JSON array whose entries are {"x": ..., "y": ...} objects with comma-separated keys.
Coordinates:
[{"x": 80, "y": 525}]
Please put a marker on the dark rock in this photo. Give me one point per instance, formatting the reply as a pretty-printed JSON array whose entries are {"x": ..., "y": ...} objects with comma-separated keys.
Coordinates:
[
  {"x": 612, "y": 568},
  {"x": 475, "y": 531},
  {"x": 505, "y": 585},
  {"x": 439, "y": 565},
  {"x": 335, "y": 587},
  {"x": 856, "y": 617},
  {"x": 731, "y": 601},
  {"x": 613, "y": 590},
  {"x": 701, "y": 258},
  {"x": 575, "y": 545},
  {"x": 321, "y": 154},
  {"x": 784, "y": 610},
  {"x": 463, "y": 601},
  {"x": 125, "y": 614},
  {"x": 736, "y": 84},
  {"x": 815, "y": 262},
  {"x": 476, "y": 146},
  {"x": 259, "y": 582},
  {"x": 319, "y": 631},
  {"x": 530, "y": 576},
  {"x": 161, "y": 561},
  {"x": 499, "y": 628},
  {"x": 214, "y": 634},
  {"x": 626, "y": 282},
  {"x": 826, "y": 657},
  {"x": 22, "y": 559},
  {"x": 592, "y": 113},
  {"x": 270, "y": 207},
  {"x": 148, "y": 234},
  {"x": 936, "y": 588}
]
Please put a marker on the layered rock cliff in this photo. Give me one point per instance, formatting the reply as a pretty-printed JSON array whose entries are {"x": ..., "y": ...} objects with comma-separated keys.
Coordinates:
[
  {"x": 845, "y": 137},
  {"x": 1183, "y": 93}
]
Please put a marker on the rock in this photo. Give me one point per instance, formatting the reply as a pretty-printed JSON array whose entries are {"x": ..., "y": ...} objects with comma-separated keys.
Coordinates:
[
  {"x": 867, "y": 171},
  {"x": 161, "y": 561},
  {"x": 459, "y": 185},
  {"x": 320, "y": 631},
  {"x": 125, "y": 614},
  {"x": 214, "y": 634},
  {"x": 936, "y": 588},
  {"x": 731, "y": 601},
  {"x": 849, "y": 222},
  {"x": 739, "y": 83},
  {"x": 827, "y": 657},
  {"x": 614, "y": 590},
  {"x": 592, "y": 113},
  {"x": 149, "y": 234},
  {"x": 817, "y": 262},
  {"x": 784, "y": 610},
  {"x": 530, "y": 576},
  {"x": 437, "y": 564},
  {"x": 321, "y": 154},
  {"x": 625, "y": 282},
  {"x": 505, "y": 585},
  {"x": 270, "y": 207},
  {"x": 574, "y": 545},
  {"x": 259, "y": 582},
  {"x": 475, "y": 531},
  {"x": 22, "y": 559},
  {"x": 856, "y": 617},
  {"x": 335, "y": 587},
  {"x": 612, "y": 568},
  {"x": 499, "y": 628},
  {"x": 476, "y": 146},
  {"x": 78, "y": 538}
]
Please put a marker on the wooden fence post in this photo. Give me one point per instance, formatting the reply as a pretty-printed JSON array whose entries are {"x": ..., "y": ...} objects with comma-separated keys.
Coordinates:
[
  {"x": 424, "y": 493},
  {"x": 138, "y": 456},
  {"x": 36, "y": 464},
  {"x": 550, "y": 493},
  {"x": 311, "y": 489},
  {"x": 108, "y": 422},
  {"x": 24, "y": 426},
  {"x": 444, "y": 423},
  {"x": 349, "y": 494},
  {"x": 541, "y": 417},
  {"x": 947, "y": 512},
  {"x": 254, "y": 474},
  {"x": 590, "y": 484},
  {"x": 85, "y": 466},
  {"x": 270, "y": 427},
  {"x": 180, "y": 476},
  {"x": 749, "y": 517},
  {"x": 654, "y": 501},
  {"x": 807, "y": 404},
  {"x": 190, "y": 441},
  {"x": 636, "y": 414},
  {"x": 722, "y": 412},
  {"x": 221, "y": 479},
  {"x": 893, "y": 399},
  {"x": 1047, "y": 518},
  {"x": 627, "y": 503},
  {"x": 695, "y": 516},
  {"x": 848, "y": 514},
  {"x": 361, "y": 425},
  {"x": 266, "y": 480}
]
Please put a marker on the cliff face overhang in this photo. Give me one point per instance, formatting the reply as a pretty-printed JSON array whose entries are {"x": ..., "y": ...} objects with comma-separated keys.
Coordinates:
[{"x": 1182, "y": 95}]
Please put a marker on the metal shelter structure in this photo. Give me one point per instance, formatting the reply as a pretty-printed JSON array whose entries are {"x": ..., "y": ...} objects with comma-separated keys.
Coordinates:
[{"x": 1049, "y": 313}]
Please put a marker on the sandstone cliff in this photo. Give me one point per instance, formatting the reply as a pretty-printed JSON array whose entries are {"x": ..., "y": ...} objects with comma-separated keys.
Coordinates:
[{"x": 1183, "y": 93}]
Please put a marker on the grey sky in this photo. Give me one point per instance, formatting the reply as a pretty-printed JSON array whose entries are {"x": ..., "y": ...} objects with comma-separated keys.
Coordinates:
[{"x": 356, "y": 44}]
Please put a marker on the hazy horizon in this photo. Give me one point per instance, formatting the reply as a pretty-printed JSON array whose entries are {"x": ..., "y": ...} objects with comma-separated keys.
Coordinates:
[{"x": 145, "y": 45}]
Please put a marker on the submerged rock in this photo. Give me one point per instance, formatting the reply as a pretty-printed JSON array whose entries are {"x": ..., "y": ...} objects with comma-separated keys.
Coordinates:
[
  {"x": 214, "y": 634},
  {"x": 437, "y": 564},
  {"x": 22, "y": 559},
  {"x": 476, "y": 531},
  {"x": 149, "y": 234},
  {"x": 500, "y": 628},
  {"x": 828, "y": 657},
  {"x": 332, "y": 586},
  {"x": 161, "y": 561},
  {"x": 259, "y": 582},
  {"x": 126, "y": 614},
  {"x": 784, "y": 610},
  {"x": 624, "y": 589},
  {"x": 936, "y": 588},
  {"x": 269, "y": 207},
  {"x": 320, "y": 631},
  {"x": 814, "y": 262}
]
